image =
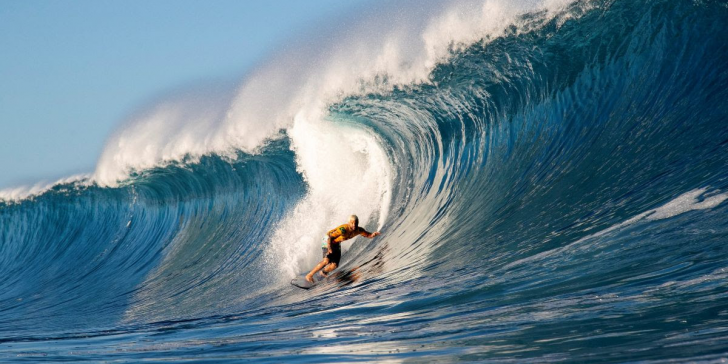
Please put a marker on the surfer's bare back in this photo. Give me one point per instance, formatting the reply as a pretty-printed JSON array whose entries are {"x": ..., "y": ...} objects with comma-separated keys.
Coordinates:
[{"x": 331, "y": 246}]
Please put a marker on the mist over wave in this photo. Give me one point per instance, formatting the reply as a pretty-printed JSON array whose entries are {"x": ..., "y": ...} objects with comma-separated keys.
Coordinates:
[
  {"x": 550, "y": 179},
  {"x": 301, "y": 83}
]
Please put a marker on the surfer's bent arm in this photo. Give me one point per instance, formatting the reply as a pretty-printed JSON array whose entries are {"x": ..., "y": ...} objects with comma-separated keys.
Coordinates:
[{"x": 330, "y": 241}]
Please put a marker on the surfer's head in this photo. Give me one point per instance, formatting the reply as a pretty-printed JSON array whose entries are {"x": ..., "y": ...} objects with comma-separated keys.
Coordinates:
[{"x": 354, "y": 221}]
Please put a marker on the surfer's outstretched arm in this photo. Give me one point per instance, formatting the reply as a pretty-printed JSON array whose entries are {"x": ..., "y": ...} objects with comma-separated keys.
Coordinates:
[{"x": 369, "y": 235}]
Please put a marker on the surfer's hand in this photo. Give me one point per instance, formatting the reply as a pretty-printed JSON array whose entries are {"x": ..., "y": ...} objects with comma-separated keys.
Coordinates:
[
  {"x": 376, "y": 233},
  {"x": 330, "y": 251}
]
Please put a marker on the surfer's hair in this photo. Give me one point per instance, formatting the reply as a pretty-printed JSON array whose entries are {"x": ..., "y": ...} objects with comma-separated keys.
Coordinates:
[{"x": 355, "y": 218}]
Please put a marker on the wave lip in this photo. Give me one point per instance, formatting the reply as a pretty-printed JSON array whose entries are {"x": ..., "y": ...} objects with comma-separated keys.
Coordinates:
[{"x": 23, "y": 192}]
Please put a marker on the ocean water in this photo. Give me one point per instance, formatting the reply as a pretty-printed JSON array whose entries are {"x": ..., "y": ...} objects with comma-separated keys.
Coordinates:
[{"x": 550, "y": 180}]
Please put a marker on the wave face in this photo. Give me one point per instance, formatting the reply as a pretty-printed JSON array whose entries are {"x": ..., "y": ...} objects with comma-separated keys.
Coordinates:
[{"x": 554, "y": 192}]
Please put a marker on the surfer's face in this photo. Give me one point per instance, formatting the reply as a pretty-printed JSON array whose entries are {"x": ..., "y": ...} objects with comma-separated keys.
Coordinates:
[{"x": 352, "y": 223}]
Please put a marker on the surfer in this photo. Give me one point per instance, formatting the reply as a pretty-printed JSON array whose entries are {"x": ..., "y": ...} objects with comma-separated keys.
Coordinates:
[{"x": 331, "y": 246}]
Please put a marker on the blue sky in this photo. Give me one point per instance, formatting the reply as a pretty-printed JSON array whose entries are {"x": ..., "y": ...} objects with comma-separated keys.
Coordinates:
[{"x": 72, "y": 71}]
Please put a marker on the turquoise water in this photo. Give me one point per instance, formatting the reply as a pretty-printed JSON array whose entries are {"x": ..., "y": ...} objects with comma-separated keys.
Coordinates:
[{"x": 555, "y": 195}]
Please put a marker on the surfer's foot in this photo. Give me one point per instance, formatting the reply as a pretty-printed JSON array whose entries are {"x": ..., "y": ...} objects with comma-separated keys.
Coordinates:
[{"x": 309, "y": 278}]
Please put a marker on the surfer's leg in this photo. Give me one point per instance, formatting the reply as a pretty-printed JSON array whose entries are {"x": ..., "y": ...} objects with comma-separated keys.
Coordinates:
[
  {"x": 334, "y": 259},
  {"x": 309, "y": 276},
  {"x": 328, "y": 268},
  {"x": 324, "y": 261}
]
